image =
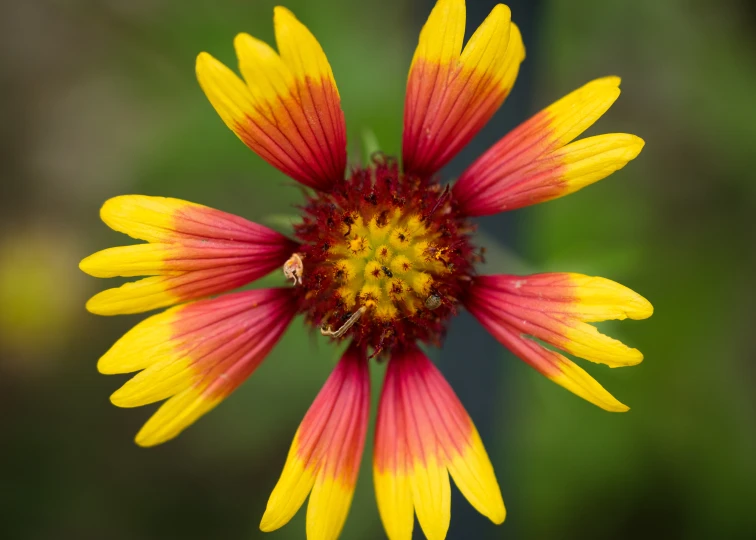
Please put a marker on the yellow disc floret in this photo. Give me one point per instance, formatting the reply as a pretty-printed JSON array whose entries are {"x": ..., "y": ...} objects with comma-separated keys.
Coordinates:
[{"x": 390, "y": 262}]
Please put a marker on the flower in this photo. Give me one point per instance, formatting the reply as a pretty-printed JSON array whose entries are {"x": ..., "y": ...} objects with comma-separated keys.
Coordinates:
[{"x": 382, "y": 258}]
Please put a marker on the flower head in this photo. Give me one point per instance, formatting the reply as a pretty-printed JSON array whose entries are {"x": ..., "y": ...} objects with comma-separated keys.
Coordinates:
[{"x": 383, "y": 257}]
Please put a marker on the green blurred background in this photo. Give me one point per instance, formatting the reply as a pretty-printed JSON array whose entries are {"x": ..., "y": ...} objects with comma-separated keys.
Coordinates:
[{"x": 99, "y": 99}]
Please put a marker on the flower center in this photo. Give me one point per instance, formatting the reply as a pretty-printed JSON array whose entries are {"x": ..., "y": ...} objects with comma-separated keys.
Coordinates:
[
  {"x": 384, "y": 258},
  {"x": 386, "y": 261}
]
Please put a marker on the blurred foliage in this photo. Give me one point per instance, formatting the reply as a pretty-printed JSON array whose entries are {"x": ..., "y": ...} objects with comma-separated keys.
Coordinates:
[{"x": 99, "y": 99}]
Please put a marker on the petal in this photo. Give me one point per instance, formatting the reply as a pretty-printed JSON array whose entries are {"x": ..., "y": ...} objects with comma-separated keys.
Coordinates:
[
  {"x": 187, "y": 256},
  {"x": 555, "y": 308},
  {"x": 299, "y": 49},
  {"x": 160, "y": 291},
  {"x": 175, "y": 415},
  {"x": 601, "y": 299},
  {"x": 423, "y": 434},
  {"x": 534, "y": 163},
  {"x": 325, "y": 454},
  {"x": 196, "y": 355},
  {"x": 161, "y": 219},
  {"x": 288, "y": 108},
  {"x": 474, "y": 476},
  {"x": 391, "y": 463},
  {"x": 195, "y": 252},
  {"x": 466, "y": 458},
  {"x": 428, "y": 479},
  {"x": 452, "y": 93},
  {"x": 554, "y": 366}
]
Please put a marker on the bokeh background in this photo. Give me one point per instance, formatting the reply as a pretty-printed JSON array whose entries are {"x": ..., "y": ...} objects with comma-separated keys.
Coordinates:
[{"x": 98, "y": 98}]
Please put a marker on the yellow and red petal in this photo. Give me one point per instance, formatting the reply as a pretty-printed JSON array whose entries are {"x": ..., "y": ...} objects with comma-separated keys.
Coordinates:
[
  {"x": 195, "y": 355},
  {"x": 392, "y": 462},
  {"x": 423, "y": 434},
  {"x": 325, "y": 455},
  {"x": 556, "y": 309},
  {"x": 534, "y": 163},
  {"x": 288, "y": 108},
  {"x": 451, "y": 92},
  {"x": 194, "y": 251}
]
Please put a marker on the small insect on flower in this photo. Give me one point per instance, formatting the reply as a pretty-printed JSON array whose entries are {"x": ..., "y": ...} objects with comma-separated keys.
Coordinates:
[
  {"x": 293, "y": 269},
  {"x": 391, "y": 257},
  {"x": 433, "y": 301},
  {"x": 326, "y": 331}
]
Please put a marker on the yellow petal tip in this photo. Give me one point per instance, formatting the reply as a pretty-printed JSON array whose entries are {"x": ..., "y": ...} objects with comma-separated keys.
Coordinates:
[
  {"x": 106, "y": 367},
  {"x": 580, "y": 383},
  {"x": 117, "y": 399},
  {"x": 126, "y": 398},
  {"x": 639, "y": 308},
  {"x": 502, "y": 10},
  {"x": 611, "y": 404},
  {"x": 634, "y": 358},
  {"x": 268, "y": 524},
  {"x": 240, "y": 39},
  {"x": 114, "y": 206},
  {"x": 95, "y": 306},
  {"x": 146, "y": 442},
  {"x": 498, "y": 517},
  {"x": 204, "y": 63},
  {"x": 282, "y": 12},
  {"x": 634, "y": 146},
  {"x": 609, "y": 80},
  {"x": 85, "y": 265}
]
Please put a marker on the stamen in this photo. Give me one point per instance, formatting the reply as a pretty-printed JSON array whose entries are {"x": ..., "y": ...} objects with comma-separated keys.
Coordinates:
[
  {"x": 293, "y": 269},
  {"x": 346, "y": 326}
]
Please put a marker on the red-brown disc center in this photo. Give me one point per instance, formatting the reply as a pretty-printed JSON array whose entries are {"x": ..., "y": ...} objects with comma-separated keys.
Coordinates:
[{"x": 385, "y": 258}]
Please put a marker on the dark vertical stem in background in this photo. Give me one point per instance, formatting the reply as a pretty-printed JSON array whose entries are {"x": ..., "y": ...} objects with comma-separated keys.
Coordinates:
[{"x": 471, "y": 359}]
